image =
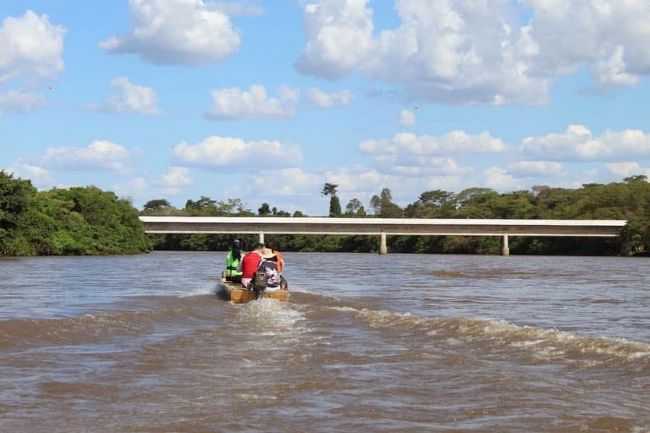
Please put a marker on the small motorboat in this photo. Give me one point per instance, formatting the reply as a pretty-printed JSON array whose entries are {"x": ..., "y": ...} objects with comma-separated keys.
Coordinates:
[{"x": 236, "y": 294}]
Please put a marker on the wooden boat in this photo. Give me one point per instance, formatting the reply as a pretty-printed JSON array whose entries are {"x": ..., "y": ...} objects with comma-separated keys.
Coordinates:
[{"x": 236, "y": 294}]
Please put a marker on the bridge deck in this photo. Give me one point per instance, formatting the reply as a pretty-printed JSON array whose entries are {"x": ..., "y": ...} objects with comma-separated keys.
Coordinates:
[{"x": 378, "y": 226}]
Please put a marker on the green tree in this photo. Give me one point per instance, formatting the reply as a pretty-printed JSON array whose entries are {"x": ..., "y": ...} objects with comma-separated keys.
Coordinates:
[
  {"x": 330, "y": 189},
  {"x": 383, "y": 205},
  {"x": 355, "y": 208},
  {"x": 157, "y": 204},
  {"x": 264, "y": 210}
]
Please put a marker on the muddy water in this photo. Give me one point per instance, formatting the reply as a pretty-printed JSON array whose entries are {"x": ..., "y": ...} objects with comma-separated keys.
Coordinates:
[{"x": 367, "y": 344}]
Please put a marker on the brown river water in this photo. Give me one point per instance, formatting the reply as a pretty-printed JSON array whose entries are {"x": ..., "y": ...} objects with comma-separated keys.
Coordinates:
[{"x": 403, "y": 343}]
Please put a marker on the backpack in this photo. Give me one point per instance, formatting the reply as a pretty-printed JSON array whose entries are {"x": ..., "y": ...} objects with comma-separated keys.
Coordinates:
[{"x": 270, "y": 273}]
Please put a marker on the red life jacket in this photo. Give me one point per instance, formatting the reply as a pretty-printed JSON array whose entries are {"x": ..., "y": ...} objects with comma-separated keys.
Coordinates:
[{"x": 249, "y": 264}]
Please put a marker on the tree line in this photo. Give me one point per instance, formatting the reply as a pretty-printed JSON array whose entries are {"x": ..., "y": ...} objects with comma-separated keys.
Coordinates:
[
  {"x": 73, "y": 221},
  {"x": 89, "y": 221}
]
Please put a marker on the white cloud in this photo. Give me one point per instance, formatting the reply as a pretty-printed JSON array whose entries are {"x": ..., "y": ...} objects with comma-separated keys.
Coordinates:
[
  {"x": 289, "y": 182},
  {"x": 235, "y": 103},
  {"x": 469, "y": 51},
  {"x": 241, "y": 8},
  {"x": 128, "y": 97},
  {"x": 461, "y": 51},
  {"x": 39, "y": 176},
  {"x": 536, "y": 168},
  {"x": 17, "y": 101},
  {"x": 339, "y": 37},
  {"x": 191, "y": 32},
  {"x": 609, "y": 35},
  {"x": 32, "y": 47},
  {"x": 454, "y": 142},
  {"x": 421, "y": 166},
  {"x": 100, "y": 154},
  {"x": 407, "y": 118},
  {"x": 327, "y": 100},
  {"x": 175, "y": 180},
  {"x": 499, "y": 179},
  {"x": 579, "y": 143},
  {"x": 230, "y": 153},
  {"x": 626, "y": 169},
  {"x": 359, "y": 181}
]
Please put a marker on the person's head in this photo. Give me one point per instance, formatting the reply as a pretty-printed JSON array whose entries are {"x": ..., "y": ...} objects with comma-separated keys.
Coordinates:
[
  {"x": 259, "y": 247},
  {"x": 235, "y": 249},
  {"x": 268, "y": 254},
  {"x": 271, "y": 246}
]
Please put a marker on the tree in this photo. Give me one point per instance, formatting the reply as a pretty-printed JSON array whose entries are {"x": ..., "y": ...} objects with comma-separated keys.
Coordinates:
[
  {"x": 157, "y": 204},
  {"x": 264, "y": 210},
  {"x": 383, "y": 205},
  {"x": 355, "y": 208},
  {"x": 637, "y": 178},
  {"x": 335, "y": 204},
  {"x": 329, "y": 189}
]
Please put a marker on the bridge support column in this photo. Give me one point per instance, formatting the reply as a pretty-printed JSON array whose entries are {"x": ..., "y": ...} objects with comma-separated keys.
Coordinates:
[
  {"x": 505, "y": 246},
  {"x": 383, "y": 245},
  {"x": 261, "y": 237}
]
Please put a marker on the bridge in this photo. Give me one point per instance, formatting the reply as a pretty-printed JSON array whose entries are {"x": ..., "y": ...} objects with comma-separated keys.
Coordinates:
[{"x": 383, "y": 227}]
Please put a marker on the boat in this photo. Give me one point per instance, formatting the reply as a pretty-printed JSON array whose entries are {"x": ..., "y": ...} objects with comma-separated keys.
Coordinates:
[{"x": 236, "y": 294}]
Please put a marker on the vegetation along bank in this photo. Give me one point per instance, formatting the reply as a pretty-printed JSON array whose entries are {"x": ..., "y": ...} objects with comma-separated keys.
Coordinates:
[{"x": 89, "y": 221}]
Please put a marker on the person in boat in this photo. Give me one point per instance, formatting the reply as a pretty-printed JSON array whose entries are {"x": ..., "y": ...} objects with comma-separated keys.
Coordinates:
[
  {"x": 249, "y": 265},
  {"x": 279, "y": 259},
  {"x": 269, "y": 272},
  {"x": 233, "y": 262}
]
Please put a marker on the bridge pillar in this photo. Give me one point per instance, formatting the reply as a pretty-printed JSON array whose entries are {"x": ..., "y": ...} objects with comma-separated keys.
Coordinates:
[
  {"x": 505, "y": 246},
  {"x": 261, "y": 237},
  {"x": 383, "y": 245}
]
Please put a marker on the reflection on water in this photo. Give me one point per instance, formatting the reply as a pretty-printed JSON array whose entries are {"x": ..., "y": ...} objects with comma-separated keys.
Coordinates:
[{"x": 367, "y": 343}]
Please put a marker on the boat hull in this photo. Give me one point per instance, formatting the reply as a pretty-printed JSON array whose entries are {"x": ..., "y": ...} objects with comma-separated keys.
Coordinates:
[{"x": 237, "y": 295}]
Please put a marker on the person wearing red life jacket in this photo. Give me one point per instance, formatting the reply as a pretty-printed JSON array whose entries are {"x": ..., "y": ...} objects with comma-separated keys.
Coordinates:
[{"x": 249, "y": 265}]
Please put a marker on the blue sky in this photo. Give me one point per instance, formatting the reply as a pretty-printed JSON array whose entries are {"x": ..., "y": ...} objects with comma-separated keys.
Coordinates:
[{"x": 266, "y": 101}]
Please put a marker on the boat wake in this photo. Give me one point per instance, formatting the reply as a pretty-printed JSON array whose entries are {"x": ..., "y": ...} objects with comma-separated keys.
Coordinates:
[{"x": 543, "y": 344}]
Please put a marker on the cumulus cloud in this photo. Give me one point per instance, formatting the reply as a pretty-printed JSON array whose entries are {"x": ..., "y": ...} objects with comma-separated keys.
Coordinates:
[
  {"x": 454, "y": 142},
  {"x": 536, "y": 168},
  {"x": 407, "y": 118},
  {"x": 499, "y": 179},
  {"x": 463, "y": 51},
  {"x": 17, "y": 101},
  {"x": 190, "y": 32},
  {"x": 578, "y": 143},
  {"x": 32, "y": 47},
  {"x": 626, "y": 169},
  {"x": 175, "y": 180},
  {"x": 228, "y": 152},
  {"x": 327, "y": 100},
  {"x": 31, "y": 51},
  {"x": 128, "y": 97},
  {"x": 235, "y": 103},
  {"x": 610, "y": 36},
  {"x": 421, "y": 166},
  {"x": 99, "y": 155},
  {"x": 40, "y": 176},
  {"x": 242, "y": 8},
  {"x": 289, "y": 182},
  {"x": 479, "y": 52}
]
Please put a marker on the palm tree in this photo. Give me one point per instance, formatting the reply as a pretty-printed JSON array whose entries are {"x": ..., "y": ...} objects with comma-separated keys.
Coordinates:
[{"x": 335, "y": 204}]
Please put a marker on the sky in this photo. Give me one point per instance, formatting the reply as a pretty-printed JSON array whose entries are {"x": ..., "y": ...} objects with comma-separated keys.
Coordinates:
[{"x": 267, "y": 100}]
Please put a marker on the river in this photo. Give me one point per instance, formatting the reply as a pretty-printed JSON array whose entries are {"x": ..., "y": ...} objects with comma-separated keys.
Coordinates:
[{"x": 402, "y": 343}]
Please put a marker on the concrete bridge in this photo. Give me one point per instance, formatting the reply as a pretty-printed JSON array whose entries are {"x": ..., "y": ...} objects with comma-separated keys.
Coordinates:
[{"x": 383, "y": 227}]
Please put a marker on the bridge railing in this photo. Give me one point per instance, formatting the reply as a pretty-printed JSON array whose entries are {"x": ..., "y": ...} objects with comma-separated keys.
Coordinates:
[{"x": 383, "y": 227}]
